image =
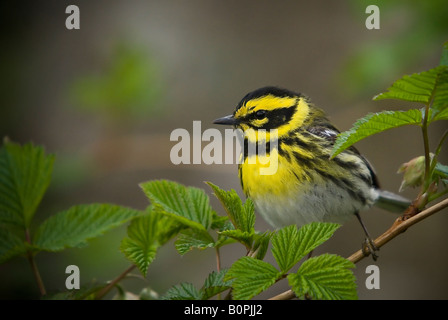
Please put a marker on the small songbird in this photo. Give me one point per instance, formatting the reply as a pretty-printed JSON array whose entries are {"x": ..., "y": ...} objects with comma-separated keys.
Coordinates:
[{"x": 308, "y": 185}]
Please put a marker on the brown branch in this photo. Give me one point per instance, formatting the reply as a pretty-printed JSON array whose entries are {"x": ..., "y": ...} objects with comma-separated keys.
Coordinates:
[
  {"x": 399, "y": 226},
  {"x": 112, "y": 284}
]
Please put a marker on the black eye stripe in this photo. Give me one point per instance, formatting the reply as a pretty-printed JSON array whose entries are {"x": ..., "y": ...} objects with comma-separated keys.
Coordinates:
[{"x": 277, "y": 117}]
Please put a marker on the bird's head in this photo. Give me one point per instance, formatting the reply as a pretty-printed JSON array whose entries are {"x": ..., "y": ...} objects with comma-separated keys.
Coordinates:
[{"x": 269, "y": 108}]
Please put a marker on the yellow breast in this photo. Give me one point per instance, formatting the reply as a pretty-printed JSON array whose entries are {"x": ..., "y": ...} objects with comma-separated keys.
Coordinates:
[{"x": 261, "y": 177}]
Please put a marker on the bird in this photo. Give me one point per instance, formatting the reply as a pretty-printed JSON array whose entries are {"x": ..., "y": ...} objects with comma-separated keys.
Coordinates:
[{"x": 308, "y": 184}]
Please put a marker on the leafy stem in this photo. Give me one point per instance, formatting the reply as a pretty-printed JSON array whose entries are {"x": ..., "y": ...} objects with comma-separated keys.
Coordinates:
[
  {"x": 436, "y": 154},
  {"x": 32, "y": 261},
  {"x": 427, "y": 178},
  {"x": 439, "y": 147},
  {"x": 437, "y": 195}
]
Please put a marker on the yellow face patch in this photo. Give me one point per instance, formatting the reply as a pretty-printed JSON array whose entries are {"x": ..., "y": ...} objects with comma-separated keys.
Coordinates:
[
  {"x": 297, "y": 119},
  {"x": 270, "y": 103},
  {"x": 259, "y": 122}
]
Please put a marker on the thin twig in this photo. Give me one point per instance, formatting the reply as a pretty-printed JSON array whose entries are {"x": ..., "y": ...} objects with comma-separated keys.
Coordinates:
[
  {"x": 218, "y": 265},
  {"x": 30, "y": 257},
  {"x": 218, "y": 260},
  {"x": 287, "y": 295},
  {"x": 398, "y": 227},
  {"x": 112, "y": 284},
  {"x": 36, "y": 273}
]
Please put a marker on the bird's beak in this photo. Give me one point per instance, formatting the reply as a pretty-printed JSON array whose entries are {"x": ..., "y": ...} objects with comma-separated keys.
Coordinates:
[{"x": 227, "y": 120}]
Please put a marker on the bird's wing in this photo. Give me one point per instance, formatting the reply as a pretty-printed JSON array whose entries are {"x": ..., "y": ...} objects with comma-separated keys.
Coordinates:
[{"x": 330, "y": 133}]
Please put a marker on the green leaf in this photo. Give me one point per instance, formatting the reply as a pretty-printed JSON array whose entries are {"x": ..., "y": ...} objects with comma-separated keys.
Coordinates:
[
  {"x": 440, "y": 103},
  {"x": 141, "y": 254},
  {"x": 429, "y": 87},
  {"x": 326, "y": 277},
  {"x": 441, "y": 170},
  {"x": 189, "y": 206},
  {"x": 314, "y": 234},
  {"x": 290, "y": 245},
  {"x": 251, "y": 277},
  {"x": 182, "y": 291},
  {"x": 189, "y": 239},
  {"x": 440, "y": 100},
  {"x": 441, "y": 115},
  {"x": 219, "y": 222},
  {"x": 167, "y": 229},
  {"x": 145, "y": 235},
  {"x": 374, "y": 123},
  {"x": 240, "y": 236},
  {"x": 214, "y": 284},
  {"x": 418, "y": 87},
  {"x": 285, "y": 247},
  {"x": 223, "y": 240},
  {"x": 260, "y": 245},
  {"x": 25, "y": 173},
  {"x": 11, "y": 244},
  {"x": 241, "y": 215},
  {"x": 73, "y": 227}
]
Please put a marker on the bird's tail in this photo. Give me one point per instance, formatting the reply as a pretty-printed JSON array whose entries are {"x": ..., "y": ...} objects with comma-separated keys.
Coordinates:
[{"x": 392, "y": 202}]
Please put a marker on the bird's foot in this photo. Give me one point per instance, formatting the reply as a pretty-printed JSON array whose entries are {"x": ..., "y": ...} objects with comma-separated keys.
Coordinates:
[{"x": 369, "y": 247}]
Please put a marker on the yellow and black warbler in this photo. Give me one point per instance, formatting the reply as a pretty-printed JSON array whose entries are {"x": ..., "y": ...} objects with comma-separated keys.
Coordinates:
[{"x": 308, "y": 185}]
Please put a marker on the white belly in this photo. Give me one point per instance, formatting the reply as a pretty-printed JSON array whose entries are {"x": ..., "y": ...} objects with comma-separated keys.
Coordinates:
[{"x": 329, "y": 204}]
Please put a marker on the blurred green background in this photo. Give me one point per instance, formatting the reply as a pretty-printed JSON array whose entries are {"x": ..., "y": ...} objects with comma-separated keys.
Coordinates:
[{"x": 105, "y": 99}]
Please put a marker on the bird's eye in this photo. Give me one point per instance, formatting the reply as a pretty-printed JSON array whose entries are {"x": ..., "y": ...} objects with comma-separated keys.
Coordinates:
[{"x": 260, "y": 114}]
